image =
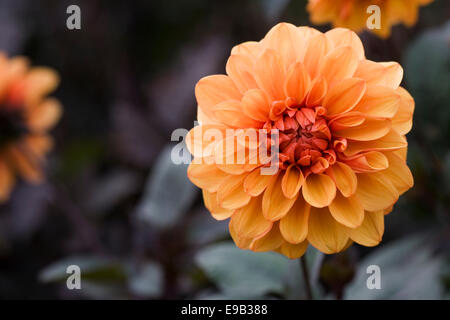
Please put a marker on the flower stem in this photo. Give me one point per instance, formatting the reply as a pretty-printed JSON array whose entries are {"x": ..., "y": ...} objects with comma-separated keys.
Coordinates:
[{"x": 306, "y": 278}]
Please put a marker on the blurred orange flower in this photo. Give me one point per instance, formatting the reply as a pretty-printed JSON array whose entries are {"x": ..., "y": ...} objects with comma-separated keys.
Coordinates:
[
  {"x": 342, "y": 151},
  {"x": 353, "y": 14},
  {"x": 25, "y": 117}
]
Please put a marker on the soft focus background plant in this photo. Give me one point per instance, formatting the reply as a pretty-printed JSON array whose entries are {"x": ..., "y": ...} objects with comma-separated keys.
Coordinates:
[{"x": 117, "y": 206}]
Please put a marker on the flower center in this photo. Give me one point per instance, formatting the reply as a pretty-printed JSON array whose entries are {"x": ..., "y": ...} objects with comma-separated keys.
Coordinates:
[
  {"x": 304, "y": 137},
  {"x": 12, "y": 124}
]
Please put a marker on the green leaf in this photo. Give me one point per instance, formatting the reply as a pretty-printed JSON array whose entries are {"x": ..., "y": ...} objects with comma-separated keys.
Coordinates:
[
  {"x": 243, "y": 273},
  {"x": 408, "y": 271},
  {"x": 92, "y": 268},
  {"x": 147, "y": 281},
  {"x": 168, "y": 192}
]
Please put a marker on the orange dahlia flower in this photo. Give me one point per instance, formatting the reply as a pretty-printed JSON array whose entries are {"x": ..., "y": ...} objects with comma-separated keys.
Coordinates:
[
  {"x": 341, "y": 120},
  {"x": 25, "y": 117},
  {"x": 353, "y": 13}
]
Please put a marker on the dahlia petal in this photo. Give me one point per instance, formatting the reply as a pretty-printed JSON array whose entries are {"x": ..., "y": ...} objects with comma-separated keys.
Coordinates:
[
  {"x": 338, "y": 64},
  {"x": 202, "y": 140},
  {"x": 402, "y": 120},
  {"x": 230, "y": 113},
  {"x": 38, "y": 145},
  {"x": 7, "y": 181},
  {"x": 398, "y": 173},
  {"x": 344, "y": 177},
  {"x": 26, "y": 164},
  {"x": 212, "y": 90},
  {"x": 293, "y": 251},
  {"x": 285, "y": 39},
  {"x": 375, "y": 191},
  {"x": 270, "y": 241},
  {"x": 249, "y": 222},
  {"x": 217, "y": 212},
  {"x": 44, "y": 116},
  {"x": 394, "y": 74},
  {"x": 297, "y": 83},
  {"x": 345, "y": 37},
  {"x": 325, "y": 233},
  {"x": 347, "y": 210},
  {"x": 231, "y": 194},
  {"x": 206, "y": 176},
  {"x": 294, "y": 225},
  {"x": 346, "y": 120},
  {"x": 379, "y": 101},
  {"x": 256, "y": 105},
  {"x": 274, "y": 204},
  {"x": 240, "y": 68},
  {"x": 292, "y": 181},
  {"x": 39, "y": 82},
  {"x": 255, "y": 183},
  {"x": 391, "y": 141},
  {"x": 370, "y": 129},
  {"x": 241, "y": 242},
  {"x": 317, "y": 92},
  {"x": 316, "y": 50},
  {"x": 387, "y": 74},
  {"x": 370, "y": 232},
  {"x": 270, "y": 73},
  {"x": 319, "y": 190},
  {"x": 368, "y": 162},
  {"x": 344, "y": 96},
  {"x": 250, "y": 49}
]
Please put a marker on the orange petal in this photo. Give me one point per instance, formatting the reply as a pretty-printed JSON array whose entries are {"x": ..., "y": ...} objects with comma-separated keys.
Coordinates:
[
  {"x": 346, "y": 120},
  {"x": 270, "y": 74},
  {"x": 402, "y": 120},
  {"x": 297, "y": 82},
  {"x": 39, "y": 82},
  {"x": 231, "y": 194},
  {"x": 375, "y": 73},
  {"x": 344, "y": 177},
  {"x": 294, "y": 225},
  {"x": 344, "y": 96},
  {"x": 44, "y": 116},
  {"x": 241, "y": 242},
  {"x": 201, "y": 140},
  {"x": 256, "y": 105},
  {"x": 348, "y": 211},
  {"x": 270, "y": 241},
  {"x": 339, "y": 63},
  {"x": 293, "y": 251},
  {"x": 26, "y": 164},
  {"x": 375, "y": 191},
  {"x": 285, "y": 39},
  {"x": 370, "y": 129},
  {"x": 274, "y": 204},
  {"x": 212, "y": 205},
  {"x": 325, "y": 233},
  {"x": 212, "y": 90},
  {"x": 370, "y": 232},
  {"x": 368, "y": 162},
  {"x": 206, "y": 176},
  {"x": 317, "y": 92},
  {"x": 379, "y": 101},
  {"x": 292, "y": 181},
  {"x": 345, "y": 37},
  {"x": 316, "y": 50},
  {"x": 231, "y": 114},
  {"x": 391, "y": 141},
  {"x": 319, "y": 190},
  {"x": 255, "y": 183},
  {"x": 239, "y": 68},
  {"x": 39, "y": 145},
  {"x": 398, "y": 173},
  {"x": 7, "y": 181},
  {"x": 248, "y": 221},
  {"x": 249, "y": 49}
]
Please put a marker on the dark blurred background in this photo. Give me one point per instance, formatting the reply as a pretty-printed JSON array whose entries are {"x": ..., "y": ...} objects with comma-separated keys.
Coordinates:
[{"x": 116, "y": 206}]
